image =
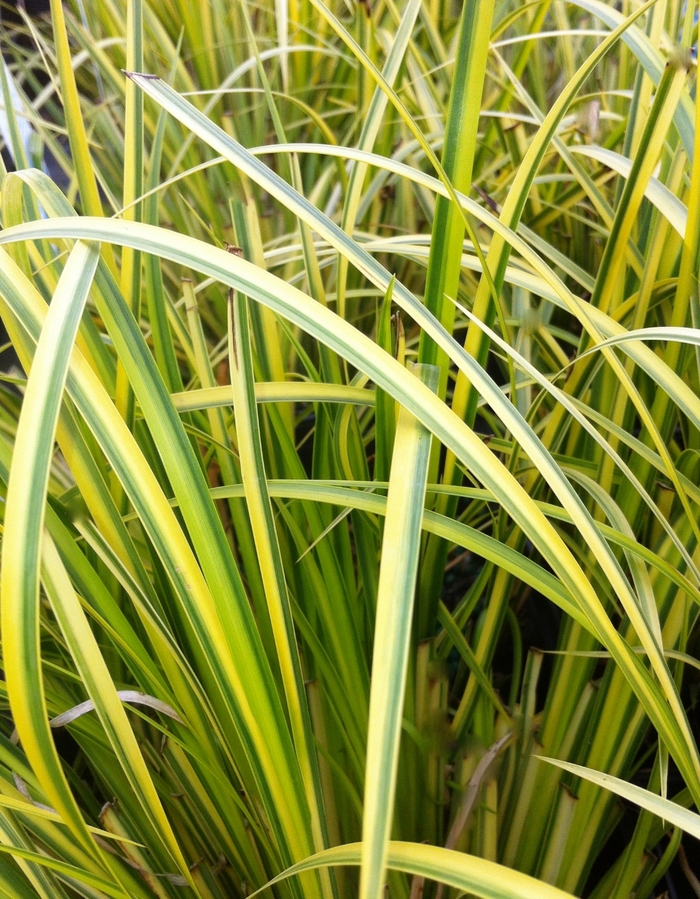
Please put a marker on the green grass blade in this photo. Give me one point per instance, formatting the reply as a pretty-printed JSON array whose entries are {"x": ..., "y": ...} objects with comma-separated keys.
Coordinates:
[
  {"x": 395, "y": 598},
  {"x": 84, "y": 170},
  {"x": 275, "y": 392},
  {"x": 655, "y": 133},
  {"x": 458, "y": 640},
  {"x": 445, "y": 260},
  {"x": 658, "y": 805},
  {"x": 270, "y": 559},
  {"x": 130, "y": 271},
  {"x": 656, "y": 191},
  {"x": 465, "y": 873},
  {"x": 8, "y": 88},
  {"x": 461, "y": 129},
  {"x": 23, "y": 533},
  {"x": 368, "y": 137}
]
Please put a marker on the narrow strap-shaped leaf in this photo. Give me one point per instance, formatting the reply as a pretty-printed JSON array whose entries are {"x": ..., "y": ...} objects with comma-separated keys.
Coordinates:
[
  {"x": 385, "y": 414},
  {"x": 133, "y": 146},
  {"x": 447, "y": 237},
  {"x": 130, "y": 272},
  {"x": 656, "y": 191},
  {"x": 26, "y": 498},
  {"x": 275, "y": 392},
  {"x": 461, "y": 130},
  {"x": 270, "y": 559},
  {"x": 459, "y": 641},
  {"x": 640, "y": 575},
  {"x": 657, "y": 805},
  {"x": 77, "y": 135},
  {"x": 329, "y": 363},
  {"x": 392, "y": 636},
  {"x": 228, "y": 468},
  {"x": 466, "y": 873},
  {"x": 368, "y": 136},
  {"x": 683, "y": 303},
  {"x": 18, "y": 129},
  {"x": 655, "y": 132}
]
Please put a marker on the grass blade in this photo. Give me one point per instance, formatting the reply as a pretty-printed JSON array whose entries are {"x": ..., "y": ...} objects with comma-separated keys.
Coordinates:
[
  {"x": 395, "y": 598},
  {"x": 658, "y": 805},
  {"x": 26, "y": 499},
  {"x": 270, "y": 560},
  {"x": 463, "y": 872}
]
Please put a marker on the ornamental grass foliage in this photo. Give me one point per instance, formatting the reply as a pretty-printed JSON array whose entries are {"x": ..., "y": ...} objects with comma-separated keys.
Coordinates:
[{"x": 350, "y": 450}]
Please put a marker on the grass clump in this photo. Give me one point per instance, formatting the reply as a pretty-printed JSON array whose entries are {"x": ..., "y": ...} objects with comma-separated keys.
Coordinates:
[{"x": 350, "y": 459}]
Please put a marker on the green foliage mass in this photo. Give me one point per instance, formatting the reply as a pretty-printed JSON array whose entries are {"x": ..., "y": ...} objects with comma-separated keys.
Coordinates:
[{"x": 349, "y": 449}]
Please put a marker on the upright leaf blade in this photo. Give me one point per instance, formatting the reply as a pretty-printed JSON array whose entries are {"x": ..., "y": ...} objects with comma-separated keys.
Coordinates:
[
  {"x": 270, "y": 560},
  {"x": 24, "y": 521},
  {"x": 392, "y": 636}
]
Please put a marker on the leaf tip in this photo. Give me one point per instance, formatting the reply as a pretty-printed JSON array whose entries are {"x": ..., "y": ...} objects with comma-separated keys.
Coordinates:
[{"x": 134, "y": 75}]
